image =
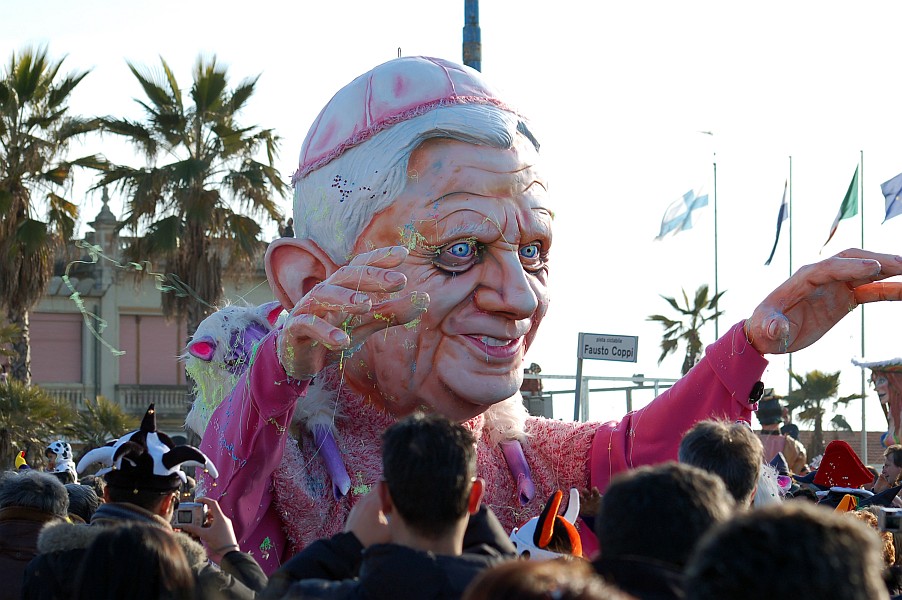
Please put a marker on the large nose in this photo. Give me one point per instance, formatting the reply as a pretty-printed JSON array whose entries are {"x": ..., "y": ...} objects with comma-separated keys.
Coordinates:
[{"x": 506, "y": 288}]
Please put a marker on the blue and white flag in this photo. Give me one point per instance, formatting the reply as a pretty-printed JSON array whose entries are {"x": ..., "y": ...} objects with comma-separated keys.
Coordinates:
[
  {"x": 892, "y": 191},
  {"x": 783, "y": 215},
  {"x": 679, "y": 214}
]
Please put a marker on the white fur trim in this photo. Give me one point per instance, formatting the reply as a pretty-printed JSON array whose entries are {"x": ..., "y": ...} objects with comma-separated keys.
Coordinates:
[{"x": 506, "y": 420}]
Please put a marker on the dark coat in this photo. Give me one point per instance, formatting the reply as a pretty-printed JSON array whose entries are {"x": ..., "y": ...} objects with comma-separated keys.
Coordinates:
[
  {"x": 51, "y": 575},
  {"x": 387, "y": 571},
  {"x": 340, "y": 567},
  {"x": 643, "y": 578},
  {"x": 19, "y": 528}
]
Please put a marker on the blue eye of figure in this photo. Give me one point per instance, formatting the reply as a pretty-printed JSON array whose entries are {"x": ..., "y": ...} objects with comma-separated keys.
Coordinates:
[
  {"x": 461, "y": 249},
  {"x": 531, "y": 251}
]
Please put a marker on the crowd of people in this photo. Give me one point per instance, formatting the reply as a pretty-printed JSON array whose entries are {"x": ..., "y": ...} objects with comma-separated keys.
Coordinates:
[{"x": 697, "y": 528}]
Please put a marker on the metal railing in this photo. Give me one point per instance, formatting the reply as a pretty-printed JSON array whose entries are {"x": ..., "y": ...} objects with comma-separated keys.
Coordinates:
[{"x": 634, "y": 383}]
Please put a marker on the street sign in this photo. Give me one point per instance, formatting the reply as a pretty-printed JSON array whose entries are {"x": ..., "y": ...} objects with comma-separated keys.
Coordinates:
[{"x": 601, "y": 346}]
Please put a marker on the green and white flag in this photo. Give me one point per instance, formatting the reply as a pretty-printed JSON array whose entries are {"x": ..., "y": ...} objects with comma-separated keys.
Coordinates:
[{"x": 849, "y": 207}]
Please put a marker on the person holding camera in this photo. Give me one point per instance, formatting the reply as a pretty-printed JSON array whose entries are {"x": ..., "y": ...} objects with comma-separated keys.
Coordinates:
[{"x": 143, "y": 486}]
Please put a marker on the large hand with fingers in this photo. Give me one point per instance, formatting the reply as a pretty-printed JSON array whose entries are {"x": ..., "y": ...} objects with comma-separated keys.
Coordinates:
[
  {"x": 818, "y": 296},
  {"x": 342, "y": 311}
]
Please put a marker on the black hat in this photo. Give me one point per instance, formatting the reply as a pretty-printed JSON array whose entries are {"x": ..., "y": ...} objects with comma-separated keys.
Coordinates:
[
  {"x": 146, "y": 459},
  {"x": 884, "y": 498},
  {"x": 770, "y": 411}
]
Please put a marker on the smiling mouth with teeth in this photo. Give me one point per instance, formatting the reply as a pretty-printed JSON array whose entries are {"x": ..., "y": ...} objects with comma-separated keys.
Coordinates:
[
  {"x": 490, "y": 341},
  {"x": 496, "y": 348}
]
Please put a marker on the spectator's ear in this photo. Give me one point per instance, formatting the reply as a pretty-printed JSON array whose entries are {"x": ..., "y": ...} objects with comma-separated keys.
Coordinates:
[
  {"x": 385, "y": 501},
  {"x": 167, "y": 503},
  {"x": 476, "y": 495},
  {"x": 294, "y": 266}
]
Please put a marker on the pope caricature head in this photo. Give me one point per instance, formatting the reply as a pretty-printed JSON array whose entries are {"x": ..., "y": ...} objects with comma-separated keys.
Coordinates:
[{"x": 422, "y": 153}]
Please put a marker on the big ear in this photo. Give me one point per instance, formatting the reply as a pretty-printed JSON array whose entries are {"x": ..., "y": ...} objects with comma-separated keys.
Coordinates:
[
  {"x": 476, "y": 492},
  {"x": 293, "y": 267},
  {"x": 385, "y": 499}
]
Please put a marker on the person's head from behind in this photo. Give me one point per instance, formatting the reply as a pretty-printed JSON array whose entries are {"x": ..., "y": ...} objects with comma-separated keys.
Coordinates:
[
  {"x": 36, "y": 490},
  {"x": 561, "y": 579},
  {"x": 83, "y": 501},
  {"x": 135, "y": 561},
  {"x": 892, "y": 464},
  {"x": 429, "y": 470},
  {"x": 729, "y": 450},
  {"x": 422, "y": 153},
  {"x": 660, "y": 512},
  {"x": 832, "y": 556}
]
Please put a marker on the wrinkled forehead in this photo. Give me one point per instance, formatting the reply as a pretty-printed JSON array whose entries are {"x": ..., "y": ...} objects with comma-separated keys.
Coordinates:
[{"x": 442, "y": 166}]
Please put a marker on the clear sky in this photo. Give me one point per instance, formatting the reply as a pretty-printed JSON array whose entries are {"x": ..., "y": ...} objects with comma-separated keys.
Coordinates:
[{"x": 618, "y": 93}]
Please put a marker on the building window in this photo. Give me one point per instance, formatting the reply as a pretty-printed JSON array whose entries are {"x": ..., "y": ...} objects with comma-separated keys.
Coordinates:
[
  {"x": 56, "y": 347},
  {"x": 152, "y": 346}
]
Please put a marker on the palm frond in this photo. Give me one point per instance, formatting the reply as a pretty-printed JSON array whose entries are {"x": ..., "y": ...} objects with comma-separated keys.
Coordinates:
[{"x": 242, "y": 93}]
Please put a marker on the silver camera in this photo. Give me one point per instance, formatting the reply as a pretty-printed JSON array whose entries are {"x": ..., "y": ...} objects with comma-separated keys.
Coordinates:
[
  {"x": 190, "y": 513},
  {"x": 890, "y": 519}
]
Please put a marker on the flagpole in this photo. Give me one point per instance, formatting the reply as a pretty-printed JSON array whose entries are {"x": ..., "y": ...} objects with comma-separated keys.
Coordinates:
[
  {"x": 790, "y": 259},
  {"x": 864, "y": 428},
  {"x": 716, "y": 282}
]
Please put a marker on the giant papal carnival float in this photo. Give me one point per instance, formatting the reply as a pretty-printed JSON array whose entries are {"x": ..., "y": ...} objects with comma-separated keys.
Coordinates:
[{"x": 416, "y": 281}]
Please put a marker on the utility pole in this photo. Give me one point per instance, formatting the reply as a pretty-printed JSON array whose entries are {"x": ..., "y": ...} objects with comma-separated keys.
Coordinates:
[{"x": 472, "y": 49}]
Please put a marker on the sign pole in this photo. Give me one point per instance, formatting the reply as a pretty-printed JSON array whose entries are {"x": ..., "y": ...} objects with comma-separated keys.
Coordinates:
[{"x": 577, "y": 402}]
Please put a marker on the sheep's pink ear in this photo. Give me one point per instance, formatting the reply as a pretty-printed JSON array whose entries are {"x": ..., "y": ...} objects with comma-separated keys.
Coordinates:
[
  {"x": 203, "y": 348},
  {"x": 272, "y": 310}
]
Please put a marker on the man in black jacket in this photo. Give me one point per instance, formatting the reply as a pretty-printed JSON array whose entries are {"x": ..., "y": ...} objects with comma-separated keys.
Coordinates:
[
  {"x": 143, "y": 486},
  {"x": 409, "y": 537},
  {"x": 650, "y": 521}
]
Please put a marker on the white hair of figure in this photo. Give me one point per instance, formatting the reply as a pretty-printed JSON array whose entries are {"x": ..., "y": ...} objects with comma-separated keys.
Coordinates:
[{"x": 334, "y": 203}]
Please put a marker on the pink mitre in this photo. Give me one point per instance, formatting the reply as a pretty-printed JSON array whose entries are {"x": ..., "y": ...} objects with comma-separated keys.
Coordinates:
[{"x": 390, "y": 93}]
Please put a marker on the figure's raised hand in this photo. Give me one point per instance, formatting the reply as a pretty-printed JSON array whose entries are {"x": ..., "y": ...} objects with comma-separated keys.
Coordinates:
[
  {"x": 342, "y": 311},
  {"x": 817, "y": 296}
]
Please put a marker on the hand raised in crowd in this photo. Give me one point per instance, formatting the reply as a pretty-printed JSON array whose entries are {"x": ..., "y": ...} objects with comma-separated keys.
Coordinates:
[
  {"x": 589, "y": 502},
  {"x": 346, "y": 308},
  {"x": 801, "y": 310},
  {"x": 217, "y": 532},
  {"x": 367, "y": 522}
]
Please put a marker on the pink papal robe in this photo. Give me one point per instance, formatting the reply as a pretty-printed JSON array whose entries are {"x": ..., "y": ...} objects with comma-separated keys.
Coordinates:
[{"x": 277, "y": 492}]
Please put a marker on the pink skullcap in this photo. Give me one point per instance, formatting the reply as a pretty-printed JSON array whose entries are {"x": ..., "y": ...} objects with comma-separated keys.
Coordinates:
[{"x": 390, "y": 93}]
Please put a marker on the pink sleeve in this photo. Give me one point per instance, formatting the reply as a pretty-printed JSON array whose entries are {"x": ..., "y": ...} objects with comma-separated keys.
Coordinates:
[
  {"x": 246, "y": 437},
  {"x": 717, "y": 387}
]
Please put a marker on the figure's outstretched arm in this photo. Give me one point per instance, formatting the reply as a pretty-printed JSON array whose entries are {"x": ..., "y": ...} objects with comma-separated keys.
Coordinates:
[
  {"x": 719, "y": 386},
  {"x": 795, "y": 315}
]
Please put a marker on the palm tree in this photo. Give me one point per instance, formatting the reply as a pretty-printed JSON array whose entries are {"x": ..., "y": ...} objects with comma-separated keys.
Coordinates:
[
  {"x": 687, "y": 327},
  {"x": 814, "y": 391},
  {"x": 201, "y": 170},
  {"x": 8, "y": 335},
  {"x": 35, "y": 131},
  {"x": 29, "y": 419}
]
